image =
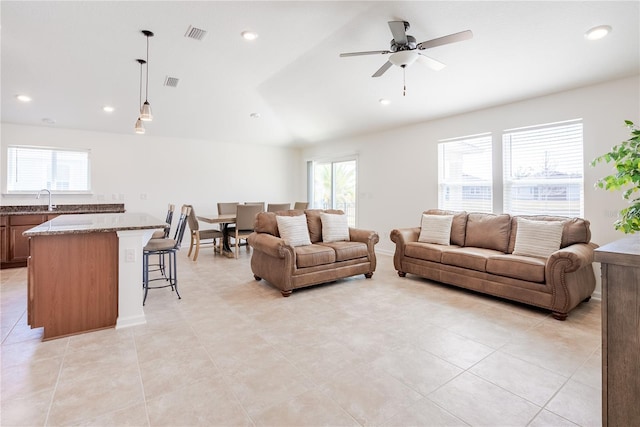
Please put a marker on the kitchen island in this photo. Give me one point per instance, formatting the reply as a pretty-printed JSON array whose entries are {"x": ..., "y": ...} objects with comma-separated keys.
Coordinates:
[{"x": 85, "y": 272}]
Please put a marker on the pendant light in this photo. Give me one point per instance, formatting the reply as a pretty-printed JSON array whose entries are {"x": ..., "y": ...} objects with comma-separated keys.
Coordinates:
[
  {"x": 145, "y": 110},
  {"x": 139, "y": 129}
]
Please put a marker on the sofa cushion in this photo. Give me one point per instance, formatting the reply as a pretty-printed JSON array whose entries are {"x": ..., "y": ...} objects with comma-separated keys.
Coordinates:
[
  {"x": 314, "y": 223},
  {"x": 468, "y": 257},
  {"x": 488, "y": 231},
  {"x": 347, "y": 250},
  {"x": 266, "y": 221},
  {"x": 312, "y": 255},
  {"x": 294, "y": 229},
  {"x": 517, "y": 267},
  {"x": 576, "y": 230},
  {"x": 537, "y": 238},
  {"x": 435, "y": 229},
  {"x": 335, "y": 228},
  {"x": 425, "y": 251},
  {"x": 458, "y": 225}
]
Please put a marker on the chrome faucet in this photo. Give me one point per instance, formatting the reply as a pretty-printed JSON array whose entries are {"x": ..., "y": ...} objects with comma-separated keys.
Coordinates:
[{"x": 51, "y": 207}]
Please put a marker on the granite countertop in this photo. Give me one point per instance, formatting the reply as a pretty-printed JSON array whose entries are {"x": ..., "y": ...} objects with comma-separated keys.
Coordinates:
[
  {"x": 96, "y": 223},
  {"x": 62, "y": 209}
]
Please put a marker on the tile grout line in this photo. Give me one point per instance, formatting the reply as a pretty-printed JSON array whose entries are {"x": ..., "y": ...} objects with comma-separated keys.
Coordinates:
[{"x": 55, "y": 387}]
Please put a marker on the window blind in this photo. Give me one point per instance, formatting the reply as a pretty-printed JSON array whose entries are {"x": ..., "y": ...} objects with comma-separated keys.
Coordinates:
[
  {"x": 465, "y": 174},
  {"x": 543, "y": 170},
  {"x": 34, "y": 168}
]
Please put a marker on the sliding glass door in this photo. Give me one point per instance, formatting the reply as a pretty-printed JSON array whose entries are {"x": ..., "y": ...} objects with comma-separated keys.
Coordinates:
[{"x": 334, "y": 186}]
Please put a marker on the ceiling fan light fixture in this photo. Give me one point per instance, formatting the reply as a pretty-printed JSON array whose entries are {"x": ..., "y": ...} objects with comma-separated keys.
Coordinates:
[
  {"x": 23, "y": 98},
  {"x": 597, "y": 33},
  {"x": 404, "y": 58},
  {"x": 384, "y": 101}
]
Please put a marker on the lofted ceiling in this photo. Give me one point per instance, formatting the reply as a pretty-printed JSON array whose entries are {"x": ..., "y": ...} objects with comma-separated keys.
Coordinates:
[{"x": 74, "y": 57}]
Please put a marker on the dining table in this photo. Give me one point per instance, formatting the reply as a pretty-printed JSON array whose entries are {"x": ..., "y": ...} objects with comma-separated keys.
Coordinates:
[{"x": 224, "y": 220}]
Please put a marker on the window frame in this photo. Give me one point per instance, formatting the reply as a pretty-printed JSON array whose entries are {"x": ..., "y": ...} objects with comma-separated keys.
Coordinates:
[
  {"x": 545, "y": 191},
  {"x": 469, "y": 187},
  {"x": 54, "y": 166}
]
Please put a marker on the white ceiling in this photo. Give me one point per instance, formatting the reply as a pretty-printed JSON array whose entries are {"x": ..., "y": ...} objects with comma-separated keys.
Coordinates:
[{"x": 73, "y": 58}]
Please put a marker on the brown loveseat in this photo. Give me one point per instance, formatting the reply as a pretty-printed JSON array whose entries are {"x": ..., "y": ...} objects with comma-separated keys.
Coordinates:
[
  {"x": 290, "y": 267},
  {"x": 480, "y": 256}
]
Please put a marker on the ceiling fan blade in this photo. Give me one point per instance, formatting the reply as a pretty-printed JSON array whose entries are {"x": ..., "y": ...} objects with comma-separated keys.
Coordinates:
[
  {"x": 382, "y": 69},
  {"x": 451, "y": 38},
  {"x": 369, "y": 52},
  {"x": 398, "y": 31},
  {"x": 430, "y": 62}
]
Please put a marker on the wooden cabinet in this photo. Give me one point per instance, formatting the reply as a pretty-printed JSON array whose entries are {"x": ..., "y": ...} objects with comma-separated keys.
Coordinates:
[
  {"x": 73, "y": 283},
  {"x": 620, "y": 264},
  {"x": 15, "y": 247},
  {"x": 4, "y": 239}
]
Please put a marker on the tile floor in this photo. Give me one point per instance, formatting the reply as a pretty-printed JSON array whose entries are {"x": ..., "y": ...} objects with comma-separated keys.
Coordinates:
[{"x": 388, "y": 351}]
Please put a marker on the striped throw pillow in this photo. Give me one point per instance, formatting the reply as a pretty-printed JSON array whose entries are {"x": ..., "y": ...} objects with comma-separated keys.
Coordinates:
[
  {"x": 294, "y": 229},
  {"x": 435, "y": 229},
  {"x": 334, "y": 227},
  {"x": 538, "y": 238}
]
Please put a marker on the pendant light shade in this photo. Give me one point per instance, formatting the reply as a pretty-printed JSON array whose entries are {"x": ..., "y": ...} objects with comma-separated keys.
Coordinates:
[
  {"x": 145, "y": 112},
  {"x": 139, "y": 128},
  {"x": 145, "y": 109}
]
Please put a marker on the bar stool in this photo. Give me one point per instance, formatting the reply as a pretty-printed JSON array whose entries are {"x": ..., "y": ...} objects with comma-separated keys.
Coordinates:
[{"x": 162, "y": 247}]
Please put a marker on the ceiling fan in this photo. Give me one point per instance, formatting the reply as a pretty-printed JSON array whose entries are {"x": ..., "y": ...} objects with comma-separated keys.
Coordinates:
[{"x": 405, "y": 51}]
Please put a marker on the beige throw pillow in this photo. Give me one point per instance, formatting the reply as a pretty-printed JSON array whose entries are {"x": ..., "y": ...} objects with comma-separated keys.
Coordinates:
[
  {"x": 294, "y": 229},
  {"x": 538, "y": 238},
  {"x": 435, "y": 229},
  {"x": 335, "y": 228}
]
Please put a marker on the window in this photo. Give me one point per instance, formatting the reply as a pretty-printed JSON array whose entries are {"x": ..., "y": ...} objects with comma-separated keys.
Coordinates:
[
  {"x": 34, "y": 168},
  {"x": 543, "y": 170},
  {"x": 465, "y": 174},
  {"x": 334, "y": 186}
]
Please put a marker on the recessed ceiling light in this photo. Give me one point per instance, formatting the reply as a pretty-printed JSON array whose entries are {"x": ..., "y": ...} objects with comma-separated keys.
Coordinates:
[
  {"x": 249, "y": 35},
  {"x": 254, "y": 115},
  {"x": 384, "y": 101},
  {"x": 596, "y": 33},
  {"x": 108, "y": 109},
  {"x": 23, "y": 98}
]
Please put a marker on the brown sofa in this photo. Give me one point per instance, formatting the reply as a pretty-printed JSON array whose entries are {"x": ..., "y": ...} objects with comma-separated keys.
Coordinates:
[
  {"x": 480, "y": 257},
  {"x": 288, "y": 267}
]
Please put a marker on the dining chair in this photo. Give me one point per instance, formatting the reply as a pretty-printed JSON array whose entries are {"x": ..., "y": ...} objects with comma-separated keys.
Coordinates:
[
  {"x": 163, "y": 234},
  {"x": 164, "y": 247},
  {"x": 227, "y": 208},
  {"x": 198, "y": 236},
  {"x": 245, "y": 223},
  {"x": 256, "y": 203},
  {"x": 301, "y": 205},
  {"x": 275, "y": 207}
]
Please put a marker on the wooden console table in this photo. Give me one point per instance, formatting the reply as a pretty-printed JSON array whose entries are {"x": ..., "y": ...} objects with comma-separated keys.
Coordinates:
[{"x": 620, "y": 263}]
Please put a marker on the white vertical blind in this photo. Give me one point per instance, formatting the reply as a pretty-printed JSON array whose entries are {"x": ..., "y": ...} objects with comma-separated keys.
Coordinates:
[
  {"x": 35, "y": 168},
  {"x": 543, "y": 170},
  {"x": 465, "y": 174}
]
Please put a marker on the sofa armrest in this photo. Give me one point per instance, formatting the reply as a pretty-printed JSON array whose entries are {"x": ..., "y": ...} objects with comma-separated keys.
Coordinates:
[
  {"x": 402, "y": 236},
  {"x": 569, "y": 273},
  {"x": 270, "y": 245},
  {"x": 370, "y": 238},
  {"x": 571, "y": 258}
]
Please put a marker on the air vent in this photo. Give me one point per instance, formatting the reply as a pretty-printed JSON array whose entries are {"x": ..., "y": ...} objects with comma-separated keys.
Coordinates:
[
  {"x": 171, "y": 81},
  {"x": 195, "y": 33}
]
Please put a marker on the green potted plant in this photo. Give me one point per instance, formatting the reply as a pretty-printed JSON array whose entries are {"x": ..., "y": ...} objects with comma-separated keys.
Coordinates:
[{"x": 626, "y": 161}]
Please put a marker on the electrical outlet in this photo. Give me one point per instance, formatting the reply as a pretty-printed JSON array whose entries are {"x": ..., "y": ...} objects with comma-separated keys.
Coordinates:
[{"x": 130, "y": 255}]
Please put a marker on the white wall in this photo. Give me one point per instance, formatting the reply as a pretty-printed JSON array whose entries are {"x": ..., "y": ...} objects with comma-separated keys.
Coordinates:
[
  {"x": 145, "y": 172},
  {"x": 397, "y": 169}
]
